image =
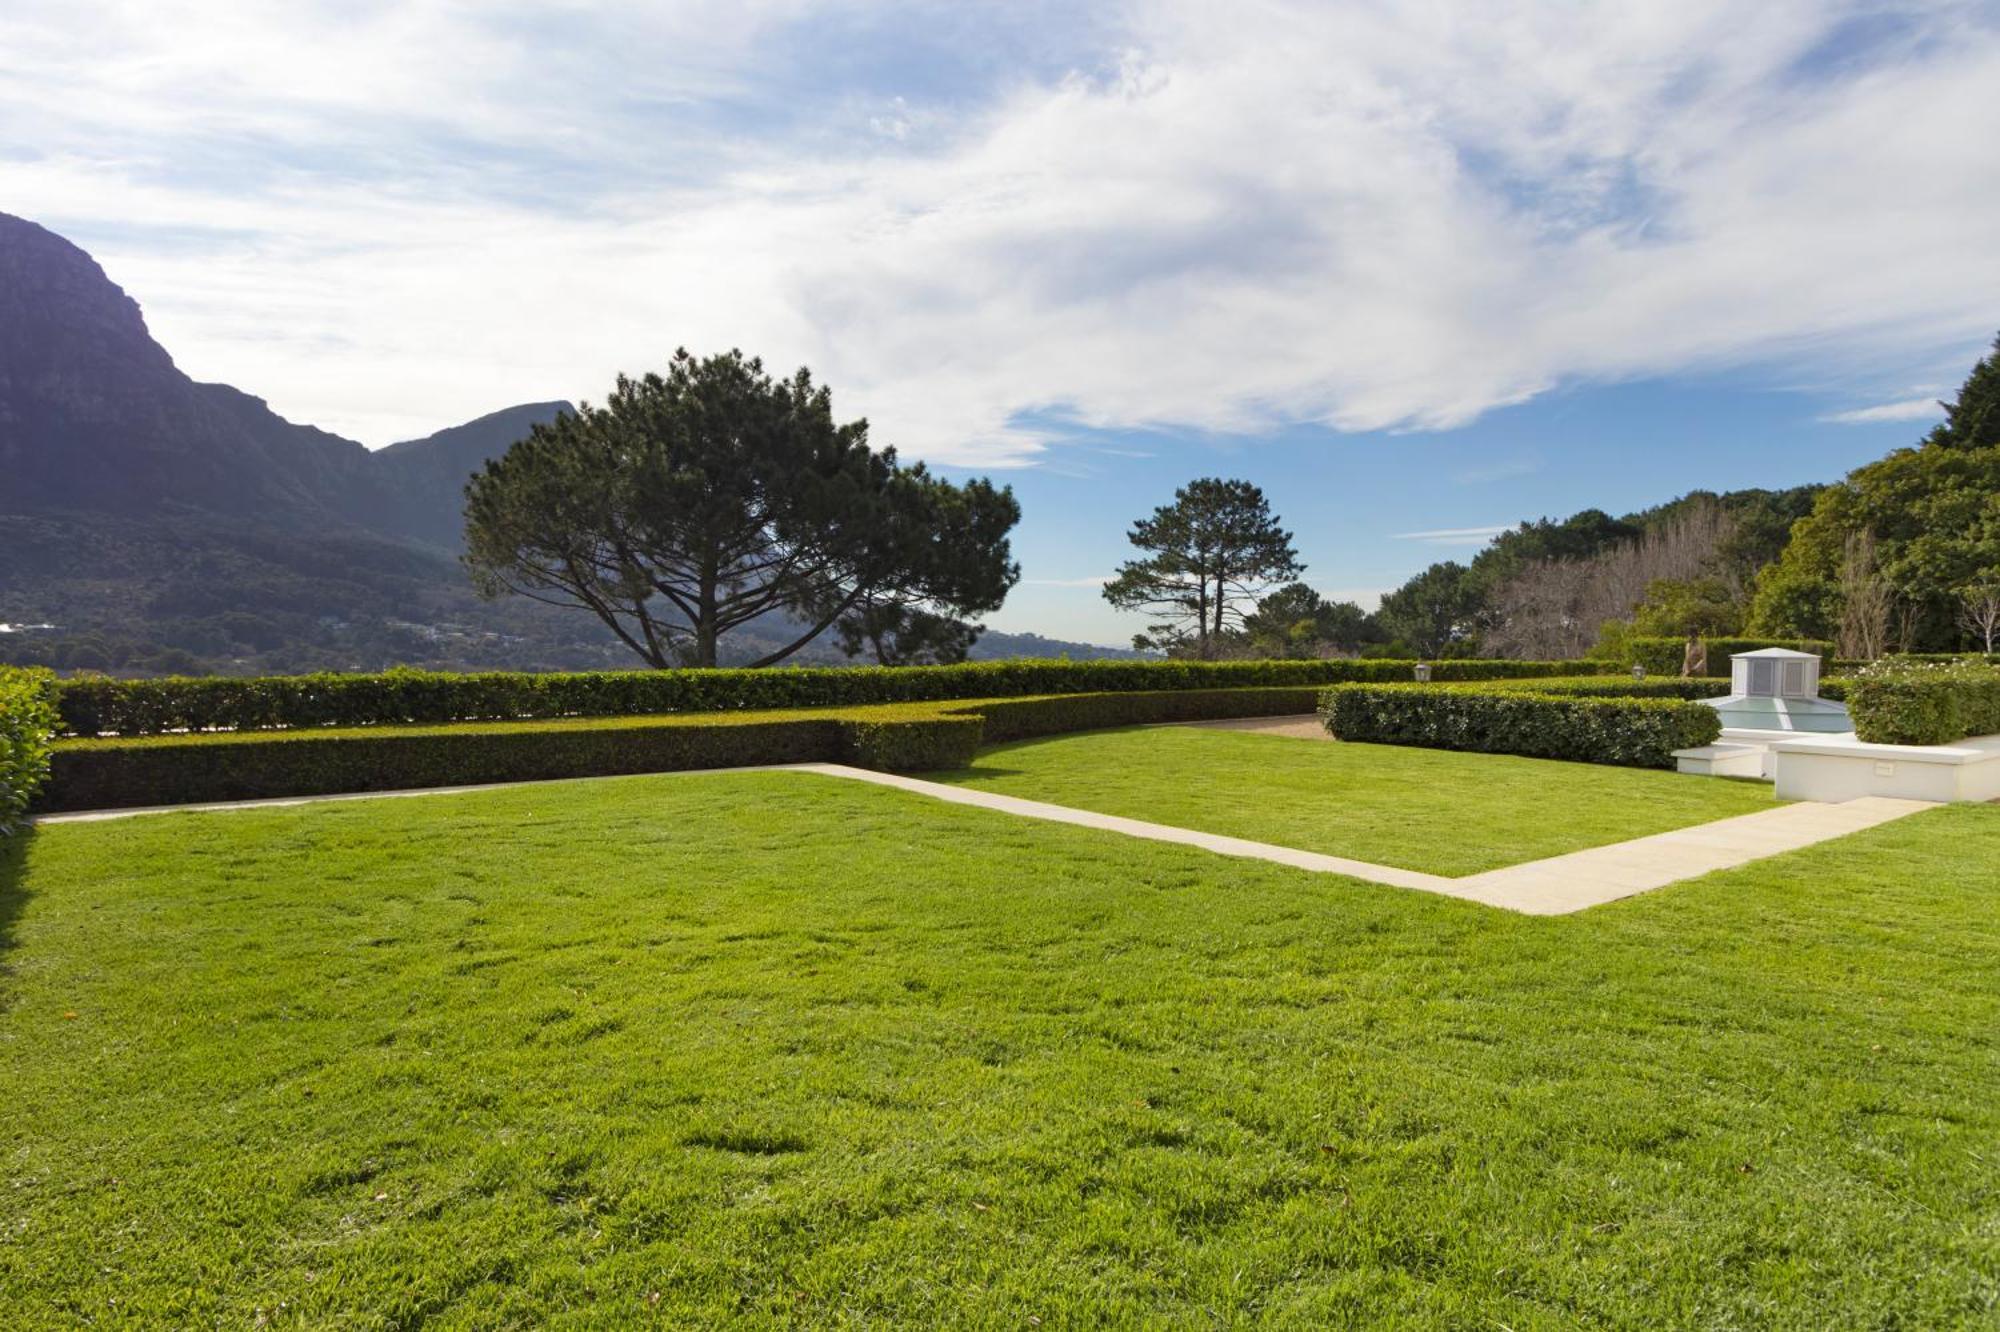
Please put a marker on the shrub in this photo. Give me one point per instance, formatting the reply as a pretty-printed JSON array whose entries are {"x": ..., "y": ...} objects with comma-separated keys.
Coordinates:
[
  {"x": 912, "y": 744},
  {"x": 1663, "y": 656},
  {"x": 93, "y": 707},
  {"x": 193, "y": 769},
  {"x": 1622, "y": 686},
  {"x": 203, "y": 767},
  {"x": 27, "y": 723},
  {"x": 1904, "y": 702},
  {"x": 1024, "y": 718},
  {"x": 1631, "y": 732}
]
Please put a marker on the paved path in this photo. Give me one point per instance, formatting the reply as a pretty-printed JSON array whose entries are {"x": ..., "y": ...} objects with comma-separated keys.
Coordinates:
[
  {"x": 1551, "y": 887},
  {"x": 1300, "y": 726}
]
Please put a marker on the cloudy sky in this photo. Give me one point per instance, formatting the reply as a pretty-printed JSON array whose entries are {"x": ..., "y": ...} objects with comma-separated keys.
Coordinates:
[{"x": 1421, "y": 270}]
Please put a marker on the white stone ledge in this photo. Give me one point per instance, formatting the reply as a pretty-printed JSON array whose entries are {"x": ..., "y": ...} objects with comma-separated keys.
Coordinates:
[{"x": 1832, "y": 768}]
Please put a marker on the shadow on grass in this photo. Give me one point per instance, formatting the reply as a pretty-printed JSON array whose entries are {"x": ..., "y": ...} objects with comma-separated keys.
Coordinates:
[{"x": 13, "y": 897}]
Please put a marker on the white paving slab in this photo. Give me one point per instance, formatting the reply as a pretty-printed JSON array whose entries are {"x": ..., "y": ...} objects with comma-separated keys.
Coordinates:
[{"x": 1554, "y": 886}]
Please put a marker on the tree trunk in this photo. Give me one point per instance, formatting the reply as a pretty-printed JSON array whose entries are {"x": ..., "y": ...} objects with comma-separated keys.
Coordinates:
[{"x": 704, "y": 625}]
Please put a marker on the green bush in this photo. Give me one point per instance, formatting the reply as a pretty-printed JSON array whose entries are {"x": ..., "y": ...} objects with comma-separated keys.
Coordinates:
[
  {"x": 1630, "y": 732},
  {"x": 912, "y": 744},
  {"x": 1623, "y": 686},
  {"x": 1663, "y": 656},
  {"x": 92, "y": 707},
  {"x": 1977, "y": 658},
  {"x": 1025, "y": 718},
  {"x": 172, "y": 770},
  {"x": 1847, "y": 665},
  {"x": 203, "y": 767},
  {"x": 1909, "y": 702},
  {"x": 27, "y": 723}
]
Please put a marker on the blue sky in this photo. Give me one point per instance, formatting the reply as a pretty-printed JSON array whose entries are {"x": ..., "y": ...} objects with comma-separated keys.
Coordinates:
[{"x": 1418, "y": 270}]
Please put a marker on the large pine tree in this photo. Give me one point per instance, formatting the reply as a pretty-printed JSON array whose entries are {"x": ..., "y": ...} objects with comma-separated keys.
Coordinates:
[
  {"x": 714, "y": 497},
  {"x": 1209, "y": 555}
]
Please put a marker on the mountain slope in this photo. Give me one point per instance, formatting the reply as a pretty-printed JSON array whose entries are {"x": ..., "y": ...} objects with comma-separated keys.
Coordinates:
[
  {"x": 149, "y": 515},
  {"x": 425, "y": 478},
  {"x": 94, "y": 414}
]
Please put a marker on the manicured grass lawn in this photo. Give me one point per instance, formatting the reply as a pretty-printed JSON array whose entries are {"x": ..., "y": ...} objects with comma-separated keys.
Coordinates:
[
  {"x": 1420, "y": 809},
  {"x": 776, "y": 1048}
]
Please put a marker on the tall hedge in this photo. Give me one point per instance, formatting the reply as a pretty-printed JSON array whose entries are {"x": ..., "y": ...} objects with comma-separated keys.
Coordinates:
[
  {"x": 1663, "y": 656},
  {"x": 1629, "y": 732},
  {"x": 1909, "y": 702},
  {"x": 27, "y": 724},
  {"x": 93, "y": 707}
]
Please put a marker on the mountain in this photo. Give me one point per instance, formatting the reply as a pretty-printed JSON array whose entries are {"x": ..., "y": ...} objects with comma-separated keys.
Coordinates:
[
  {"x": 162, "y": 524},
  {"x": 95, "y": 415},
  {"x": 426, "y": 477},
  {"x": 994, "y": 645}
]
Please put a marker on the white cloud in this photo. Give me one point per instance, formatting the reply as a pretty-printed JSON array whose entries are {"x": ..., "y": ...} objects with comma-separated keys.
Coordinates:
[
  {"x": 1228, "y": 219},
  {"x": 1455, "y": 536},
  {"x": 1909, "y": 409}
]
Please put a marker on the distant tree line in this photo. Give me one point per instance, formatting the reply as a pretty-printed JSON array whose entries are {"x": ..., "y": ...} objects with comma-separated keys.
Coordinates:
[
  {"x": 714, "y": 500},
  {"x": 1903, "y": 555}
]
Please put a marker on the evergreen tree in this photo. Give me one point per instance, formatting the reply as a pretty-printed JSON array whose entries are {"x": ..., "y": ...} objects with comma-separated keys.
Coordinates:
[
  {"x": 1210, "y": 551},
  {"x": 1931, "y": 515},
  {"x": 695, "y": 503},
  {"x": 1434, "y": 610}
]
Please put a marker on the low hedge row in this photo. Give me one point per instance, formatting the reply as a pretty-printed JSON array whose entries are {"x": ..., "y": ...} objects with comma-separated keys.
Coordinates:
[
  {"x": 250, "y": 765},
  {"x": 1663, "y": 656},
  {"x": 1622, "y": 686},
  {"x": 27, "y": 725},
  {"x": 1630, "y": 732},
  {"x": 1025, "y": 718},
  {"x": 1986, "y": 658},
  {"x": 1907, "y": 702},
  {"x": 93, "y": 707}
]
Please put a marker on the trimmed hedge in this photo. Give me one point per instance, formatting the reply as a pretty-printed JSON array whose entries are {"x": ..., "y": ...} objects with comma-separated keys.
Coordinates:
[
  {"x": 27, "y": 725},
  {"x": 1905, "y": 702},
  {"x": 912, "y": 744},
  {"x": 1025, "y": 718},
  {"x": 1692, "y": 688},
  {"x": 1630, "y": 732},
  {"x": 1977, "y": 658},
  {"x": 249, "y": 765},
  {"x": 1663, "y": 656},
  {"x": 93, "y": 706}
]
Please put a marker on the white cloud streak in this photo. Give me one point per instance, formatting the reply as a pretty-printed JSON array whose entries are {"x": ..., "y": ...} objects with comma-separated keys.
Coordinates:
[
  {"x": 1909, "y": 409},
  {"x": 1226, "y": 219},
  {"x": 1455, "y": 536}
]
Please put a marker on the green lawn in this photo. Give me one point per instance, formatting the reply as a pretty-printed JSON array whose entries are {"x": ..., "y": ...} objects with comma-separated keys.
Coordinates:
[
  {"x": 1421, "y": 809},
  {"x": 777, "y": 1048}
]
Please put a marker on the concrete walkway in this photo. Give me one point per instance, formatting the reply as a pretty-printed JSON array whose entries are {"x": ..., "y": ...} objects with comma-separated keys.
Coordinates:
[{"x": 1551, "y": 887}]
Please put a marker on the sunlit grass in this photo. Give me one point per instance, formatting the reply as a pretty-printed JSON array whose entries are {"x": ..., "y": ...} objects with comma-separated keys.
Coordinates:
[
  {"x": 1421, "y": 809},
  {"x": 678, "y": 1051}
]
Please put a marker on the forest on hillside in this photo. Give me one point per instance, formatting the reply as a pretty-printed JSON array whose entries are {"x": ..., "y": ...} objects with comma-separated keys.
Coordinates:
[{"x": 1902, "y": 555}]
